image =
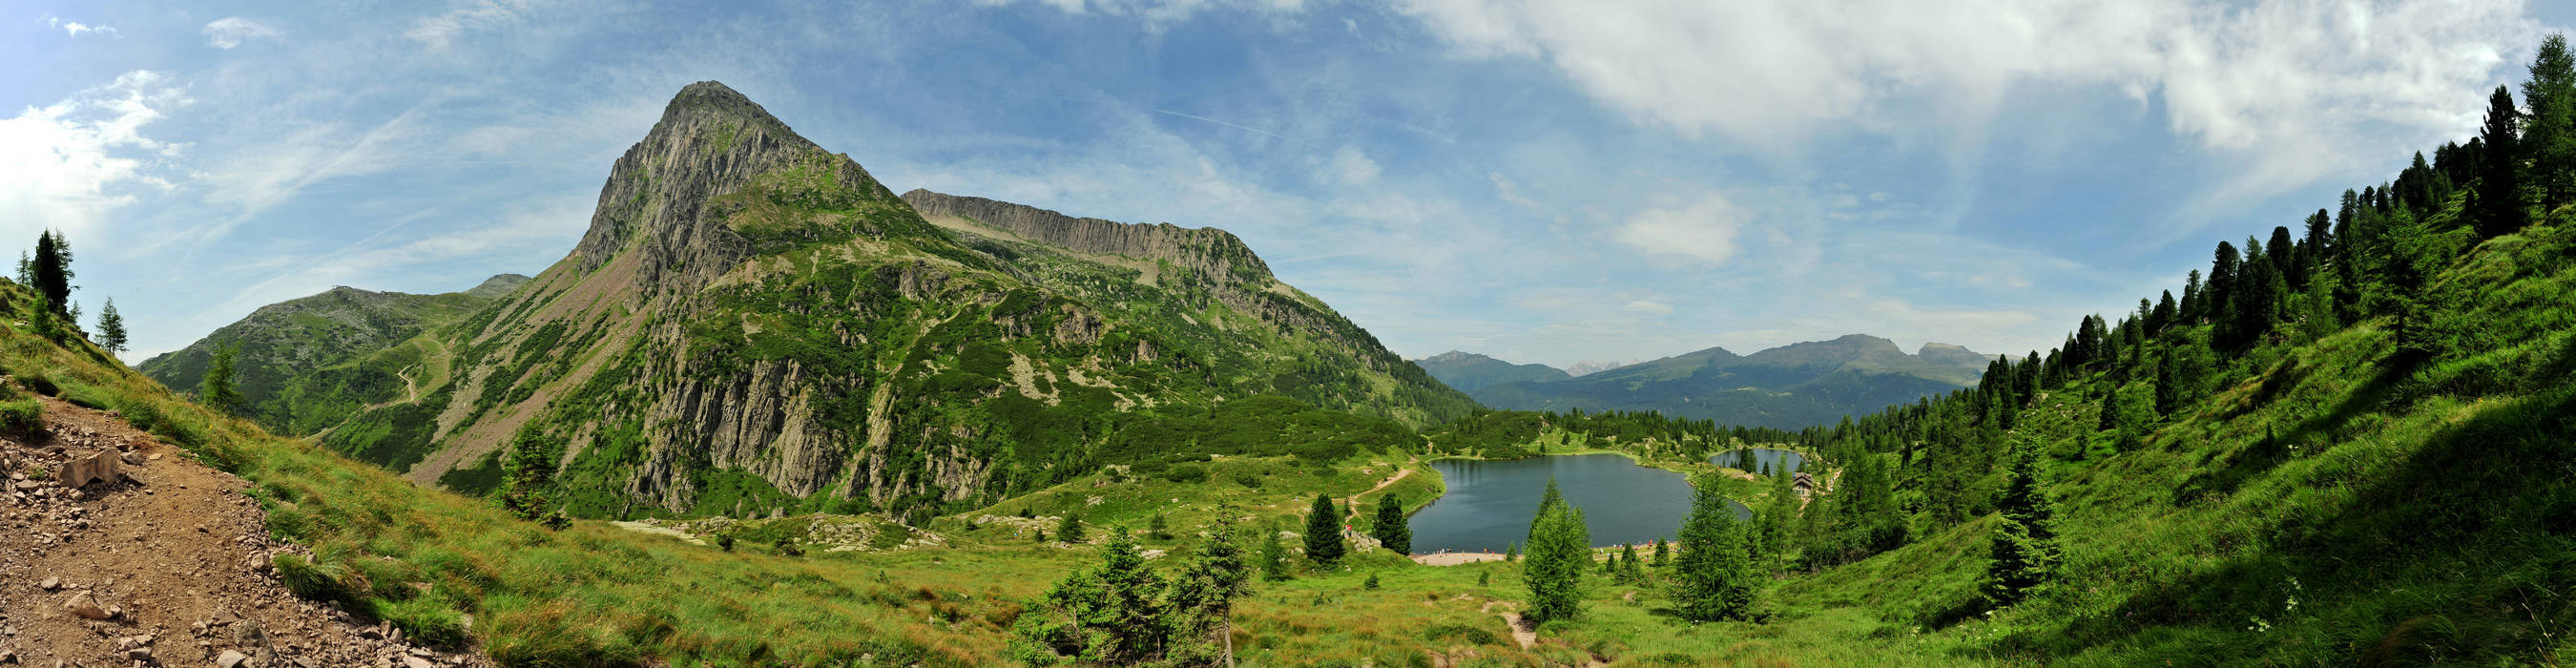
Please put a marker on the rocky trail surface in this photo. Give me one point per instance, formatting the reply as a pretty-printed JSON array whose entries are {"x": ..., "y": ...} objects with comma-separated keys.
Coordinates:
[{"x": 146, "y": 557}]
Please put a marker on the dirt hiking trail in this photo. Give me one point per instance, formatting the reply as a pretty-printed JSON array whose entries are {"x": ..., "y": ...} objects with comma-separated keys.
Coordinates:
[{"x": 162, "y": 563}]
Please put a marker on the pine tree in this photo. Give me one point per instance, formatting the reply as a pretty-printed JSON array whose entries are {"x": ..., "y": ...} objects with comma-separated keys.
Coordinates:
[
  {"x": 2024, "y": 552},
  {"x": 1662, "y": 551},
  {"x": 1324, "y": 543},
  {"x": 1560, "y": 545},
  {"x": 1390, "y": 530},
  {"x": 1714, "y": 578},
  {"x": 111, "y": 329},
  {"x": 1069, "y": 528},
  {"x": 2499, "y": 207},
  {"x": 217, "y": 388},
  {"x": 1629, "y": 569},
  {"x": 53, "y": 270}
]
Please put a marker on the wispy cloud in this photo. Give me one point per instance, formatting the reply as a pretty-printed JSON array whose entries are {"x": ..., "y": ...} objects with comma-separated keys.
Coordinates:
[
  {"x": 229, "y": 32},
  {"x": 1702, "y": 230},
  {"x": 76, "y": 28},
  {"x": 67, "y": 165},
  {"x": 465, "y": 16}
]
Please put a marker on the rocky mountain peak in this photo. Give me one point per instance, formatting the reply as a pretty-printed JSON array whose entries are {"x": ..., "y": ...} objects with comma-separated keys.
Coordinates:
[{"x": 710, "y": 142}]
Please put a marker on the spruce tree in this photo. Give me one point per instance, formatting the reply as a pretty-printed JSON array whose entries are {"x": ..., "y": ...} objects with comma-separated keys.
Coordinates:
[
  {"x": 1662, "y": 551},
  {"x": 2550, "y": 138},
  {"x": 2024, "y": 546},
  {"x": 53, "y": 270},
  {"x": 217, "y": 388},
  {"x": 1069, "y": 528},
  {"x": 1113, "y": 614},
  {"x": 2500, "y": 208},
  {"x": 2168, "y": 391},
  {"x": 111, "y": 328},
  {"x": 1390, "y": 530},
  {"x": 1714, "y": 578},
  {"x": 1272, "y": 556},
  {"x": 1779, "y": 512},
  {"x": 1324, "y": 543}
]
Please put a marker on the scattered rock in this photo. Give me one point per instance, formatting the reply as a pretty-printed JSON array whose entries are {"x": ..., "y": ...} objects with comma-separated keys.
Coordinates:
[
  {"x": 230, "y": 659},
  {"x": 84, "y": 605}
]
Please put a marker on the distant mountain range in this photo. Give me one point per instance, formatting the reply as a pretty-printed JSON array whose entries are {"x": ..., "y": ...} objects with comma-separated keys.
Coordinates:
[{"x": 1789, "y": 387}]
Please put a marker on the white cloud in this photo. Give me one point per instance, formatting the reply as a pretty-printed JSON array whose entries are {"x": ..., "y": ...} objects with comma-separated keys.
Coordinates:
[
  {"x": 229, "y": 32},
  {"x": 2288, "y": 82},
  {"x": 1649, "y": 306},
  {"x": 1352, "y": 167},
  {"x": 1704, "y": 230},
  {"x": 75, "y": 28},
  {"x": 467, "y": 16},
  {"x": 68, "y": 164},
  {"x": 1158, "y": 13}
]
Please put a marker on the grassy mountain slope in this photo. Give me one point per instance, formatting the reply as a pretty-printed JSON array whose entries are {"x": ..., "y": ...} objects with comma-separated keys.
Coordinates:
[
  {"x": 754, "y": 324},
  {"x": 307, "y": 363},
  {"x": 1790, "y": 387},
  {"x": 1470, "y": 372}
]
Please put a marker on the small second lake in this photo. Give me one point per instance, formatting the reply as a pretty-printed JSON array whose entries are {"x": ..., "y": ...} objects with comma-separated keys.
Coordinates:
[
  {"x": 1766, "y": 461},
  {"x": 1490, "y": 502}
]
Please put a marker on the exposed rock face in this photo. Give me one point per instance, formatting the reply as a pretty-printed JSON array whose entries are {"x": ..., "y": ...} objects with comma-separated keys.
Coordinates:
[
  {"x": 1207, "y": 249},
  {"x": 711, "y": 141}
]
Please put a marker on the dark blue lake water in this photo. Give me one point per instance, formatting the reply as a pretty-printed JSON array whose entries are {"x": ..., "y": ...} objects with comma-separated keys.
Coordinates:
[{"x": 1489, "y": 503}]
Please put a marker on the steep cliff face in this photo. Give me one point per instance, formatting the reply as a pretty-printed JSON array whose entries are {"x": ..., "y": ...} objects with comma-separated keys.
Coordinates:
[
  {"x": 1207, "y": 249},
  {"x": 752, "y": 324}
]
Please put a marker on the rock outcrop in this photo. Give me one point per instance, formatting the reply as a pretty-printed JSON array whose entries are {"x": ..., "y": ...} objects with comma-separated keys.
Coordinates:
[{"x": 1206, "y": 249}]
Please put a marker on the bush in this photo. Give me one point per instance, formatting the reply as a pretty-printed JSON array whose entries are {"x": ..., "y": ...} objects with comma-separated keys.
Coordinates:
[
  {"x": 424, "y": 620},
  {"x": 320, "y": 581},
  {"x": 23, "y": 416},
  {"x": 40, "y": 384}
]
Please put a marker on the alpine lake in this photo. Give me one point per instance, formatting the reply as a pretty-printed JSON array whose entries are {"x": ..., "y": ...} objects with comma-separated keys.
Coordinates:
[{"x": 1490, "y": 502}]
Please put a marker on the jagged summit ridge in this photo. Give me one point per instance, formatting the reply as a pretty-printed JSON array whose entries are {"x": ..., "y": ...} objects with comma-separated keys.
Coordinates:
[
  {"x": 1208, "y": 249},
  {"x": 711, "y": 141}
]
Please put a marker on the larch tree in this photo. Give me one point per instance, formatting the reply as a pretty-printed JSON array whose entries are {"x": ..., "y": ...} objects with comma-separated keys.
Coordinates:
[
  {"x": 1560, "y": 546},
  {"x": 1714, "y": 578},
  {"x": 217, "y": 388},
  {"x": 2550, "y": 137},
  {"x": 111, "y": 328},
  {"x": 1202, "y": 599}
]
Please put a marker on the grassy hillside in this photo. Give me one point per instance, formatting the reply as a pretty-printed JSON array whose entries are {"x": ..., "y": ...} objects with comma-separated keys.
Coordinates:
[{"x": 308, "y": 363}]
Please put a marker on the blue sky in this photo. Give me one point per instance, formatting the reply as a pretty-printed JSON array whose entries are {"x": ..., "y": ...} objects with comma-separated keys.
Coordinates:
[{"x": 1542, "y": 180}]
